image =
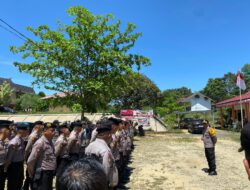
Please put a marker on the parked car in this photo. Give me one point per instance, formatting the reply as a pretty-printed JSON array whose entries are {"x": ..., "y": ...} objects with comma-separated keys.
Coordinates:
[
  {"x": 4, "y": 109},
  {"x": 196, "y": 127},
  {"x": 184, "y": 123}
]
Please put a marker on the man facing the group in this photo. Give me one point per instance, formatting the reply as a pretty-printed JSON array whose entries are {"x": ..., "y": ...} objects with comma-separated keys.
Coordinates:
[{"x": 209, "y": 139}]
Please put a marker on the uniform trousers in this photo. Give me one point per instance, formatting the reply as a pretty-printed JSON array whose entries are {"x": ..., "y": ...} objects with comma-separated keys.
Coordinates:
[
  {"x": 15, "y": 176},
  {"x": 2, "y": 177},
  {"x": 46, "y": 181},
  {"x": 210, "y": 155}
]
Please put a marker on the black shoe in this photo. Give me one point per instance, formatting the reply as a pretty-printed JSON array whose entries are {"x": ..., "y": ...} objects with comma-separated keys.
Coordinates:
[
  {"x": 213, "y": 173},
  {"x": 206, "y": 170},
  {"x": 240, "y": 149}
]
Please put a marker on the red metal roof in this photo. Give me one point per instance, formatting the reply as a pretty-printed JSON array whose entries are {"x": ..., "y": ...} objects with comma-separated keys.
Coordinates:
[{"x": 234, "y": 101}]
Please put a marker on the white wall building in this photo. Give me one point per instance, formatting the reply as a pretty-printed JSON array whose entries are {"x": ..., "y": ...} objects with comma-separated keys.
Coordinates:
[{"x": 198, "y": 103}]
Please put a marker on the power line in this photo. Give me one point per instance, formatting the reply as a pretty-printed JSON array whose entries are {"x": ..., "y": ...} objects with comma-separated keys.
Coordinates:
[
  {"x": 12, "y": 32},
  {"x": 22, "y": 36},
  {"x": 15, "y": 30}
]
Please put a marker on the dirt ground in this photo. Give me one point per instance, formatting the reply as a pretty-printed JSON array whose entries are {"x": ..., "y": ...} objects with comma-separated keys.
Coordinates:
[{"x": 175, "y": 161}]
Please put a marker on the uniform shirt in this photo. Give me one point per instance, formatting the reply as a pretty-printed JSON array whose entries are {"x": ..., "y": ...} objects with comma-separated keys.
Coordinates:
[
  {"x": 61, "y": 149},
  {"x": 207, "y": 139},
  {"x": 94, "y": 135},
  {"x": 3, "y": 152},
  {"x": 118, "y": 135},
  {"x": 124, "y": 142},
  {"x": 114, "y": 147},
  {"x": 74, "y": 143},
  {"x": 16, "y": 149},
  {"x": 42, "y": 156},
  {"x": 100, "y": 149},
  {"x": 12, "y": 135},
  {"x": 56, "y": 135},
  {"x": 83, "y": 137},
  {"x": 34, "y": 136}
]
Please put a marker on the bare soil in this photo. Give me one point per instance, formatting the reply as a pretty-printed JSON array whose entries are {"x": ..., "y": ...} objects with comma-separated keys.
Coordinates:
[{"x": 175, "y": 161}]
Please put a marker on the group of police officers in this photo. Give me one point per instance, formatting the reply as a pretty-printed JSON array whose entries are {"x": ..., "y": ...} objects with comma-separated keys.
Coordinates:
[{"x": 48, "y": 148}]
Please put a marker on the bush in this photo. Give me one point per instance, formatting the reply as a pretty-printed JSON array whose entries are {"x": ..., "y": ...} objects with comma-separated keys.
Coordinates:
[{"x": 76, "y": 108}]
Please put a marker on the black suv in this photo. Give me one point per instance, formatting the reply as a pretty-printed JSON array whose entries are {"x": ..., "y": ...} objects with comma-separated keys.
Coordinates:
[
  {"x": 184, "y": 123},
  {"x": 196, "y": 127}
]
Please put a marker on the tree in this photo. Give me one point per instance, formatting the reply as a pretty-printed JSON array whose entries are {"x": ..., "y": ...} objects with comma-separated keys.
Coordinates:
[
  {"x": 171, "y": 98},
  {"x": 86, "y": 60},
  {"x": 231, "y": 89},
  {"x": 41, "y": 94},
  {"x": 170, "y": 104},
  {"x": 29, "y": 102},
  {"x": 215, "y": 89},
  {"x": 246, "y": 69},
  {"x": 141, "y": 92},
  {"x": 246, "y": 73},
  {"x": 5, "y": 94},
  {"x": 177, "y": 93}
]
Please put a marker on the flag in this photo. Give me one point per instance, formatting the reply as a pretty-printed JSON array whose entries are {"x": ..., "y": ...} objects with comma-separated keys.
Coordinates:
[{"x": 240, "y": 81}]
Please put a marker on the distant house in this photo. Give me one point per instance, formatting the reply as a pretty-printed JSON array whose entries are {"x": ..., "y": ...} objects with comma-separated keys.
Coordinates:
[
  {"x": 58, "y": 108},
  {"x": 18, "y": 89},
  {"x": 198, "y": 103}
]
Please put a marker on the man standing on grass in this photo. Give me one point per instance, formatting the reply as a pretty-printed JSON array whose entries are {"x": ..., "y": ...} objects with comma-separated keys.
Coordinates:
[{"x": 209, "y": 138}]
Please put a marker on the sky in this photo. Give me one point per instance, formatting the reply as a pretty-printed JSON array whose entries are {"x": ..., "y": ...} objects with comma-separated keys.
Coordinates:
[{"x": 188, "y": 41}]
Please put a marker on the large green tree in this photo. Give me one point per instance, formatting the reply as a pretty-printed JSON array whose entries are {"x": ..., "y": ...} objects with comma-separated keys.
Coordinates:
[
  {"x": 170, "y": 101},
  {"x": 140, "y": 93},
  {"x": 246, "y": 73},
  {"x": 215, "y": 89},
  {"x": 5, "y": 94},
  {"x": 86, "y": 59}
]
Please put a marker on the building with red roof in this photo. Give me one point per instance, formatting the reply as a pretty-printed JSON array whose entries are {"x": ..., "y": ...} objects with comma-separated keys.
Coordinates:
[{"x": 234, "y": 104}]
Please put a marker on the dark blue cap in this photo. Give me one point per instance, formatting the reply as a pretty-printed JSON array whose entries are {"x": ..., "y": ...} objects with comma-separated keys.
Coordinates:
[{"x": 22, "y": 126}]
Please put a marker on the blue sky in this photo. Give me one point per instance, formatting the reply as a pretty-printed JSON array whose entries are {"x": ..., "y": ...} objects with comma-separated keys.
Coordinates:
[{"x": 188, "y": 41}]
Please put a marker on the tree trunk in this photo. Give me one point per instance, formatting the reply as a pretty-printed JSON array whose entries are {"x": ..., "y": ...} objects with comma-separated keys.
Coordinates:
[{"x": 82, "y": 115}]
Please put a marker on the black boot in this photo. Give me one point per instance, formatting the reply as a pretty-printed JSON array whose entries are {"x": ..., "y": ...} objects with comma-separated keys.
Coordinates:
[{"x": 213, "y": 173}]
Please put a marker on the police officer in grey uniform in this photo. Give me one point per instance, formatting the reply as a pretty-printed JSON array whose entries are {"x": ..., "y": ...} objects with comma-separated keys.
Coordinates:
[
  {"x": 74, "y": 143},
  {"x": 56, "y": 123},
  {"x": 15, "y": 159},
  {"x": 42, "y": 160},
  {"x": 100, "y": 150},
  {"x": 61, "y": 151},
  {"x": 3, "y": 153},
  {"x": 33, "y": 137},
  {"x": 209, "y": 139},
  {"x": 84, "y": 139}
]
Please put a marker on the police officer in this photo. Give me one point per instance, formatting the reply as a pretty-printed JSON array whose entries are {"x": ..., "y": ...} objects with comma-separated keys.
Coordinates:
[
  {"x": 99, "y": 149},
  {"x": 33, "y": 137},
  {"x": 209, "y": 138},
  {"x": 84, "y": 138},
  {"x": 56, "y": 123},
  {"x": 15, "y": 159},
  {"x": 74, "y": 141},
  {"x": 62, "y": 152},
  {"x": 42, "y": 160},
  {"x": 3, "y": 153},
  {"x": 115, "y": 142}
]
